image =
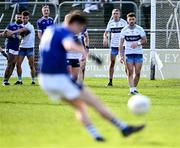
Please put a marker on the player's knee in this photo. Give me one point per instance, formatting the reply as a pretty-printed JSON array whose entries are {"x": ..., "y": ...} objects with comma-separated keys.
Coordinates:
[
  {"x": 129, "y": 72},
  {"x": 138, "y": 74},
  {"x": 80, "y": 112},
  {"x": 31, "y": 67},
  {"x": 112, "y": 64}
]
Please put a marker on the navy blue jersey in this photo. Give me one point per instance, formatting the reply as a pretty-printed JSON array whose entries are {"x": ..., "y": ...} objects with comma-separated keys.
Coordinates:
[
  {"x": 43, "y": 23},
  {"x": 13, "y": 42},
  {"x": 52, "y": 52},
  {"x": 79, "y": 38}
]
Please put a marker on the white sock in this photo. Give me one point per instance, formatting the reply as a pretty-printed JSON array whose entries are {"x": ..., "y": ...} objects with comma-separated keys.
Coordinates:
[
  {"x": 92, "y": 131},
  {"x": 119, "y": 124},
  {"x": 131, "y": 89}
]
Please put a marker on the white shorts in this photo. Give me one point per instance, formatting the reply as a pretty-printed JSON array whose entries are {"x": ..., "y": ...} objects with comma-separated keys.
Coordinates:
[
  {"x": 59, "y": 86},
  {"x": 14, "y": 52}
]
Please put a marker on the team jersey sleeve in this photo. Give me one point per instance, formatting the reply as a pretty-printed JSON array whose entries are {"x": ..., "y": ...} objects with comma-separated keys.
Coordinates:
[
  {"x": 39, "y": 26},
  {"x": 122, "y": 34},
  {"x": 142, "y": 33},
  {"x": 68, "y": 39},
  {"x": 9, "y": 27},
  {"x": 108, "y": 28}
]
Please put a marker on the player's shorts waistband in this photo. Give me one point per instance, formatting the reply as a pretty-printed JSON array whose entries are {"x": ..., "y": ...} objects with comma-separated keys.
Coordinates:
[
  {"x": 12, "y": 51},
  {"x": 22, "y": 48}
]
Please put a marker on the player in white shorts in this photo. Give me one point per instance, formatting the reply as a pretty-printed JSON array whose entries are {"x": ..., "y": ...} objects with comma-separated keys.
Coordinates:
[
  {"x": 114, "y": 27},
  {"x": 134, "y": 37},
  {"x": 55, "y": 80}
]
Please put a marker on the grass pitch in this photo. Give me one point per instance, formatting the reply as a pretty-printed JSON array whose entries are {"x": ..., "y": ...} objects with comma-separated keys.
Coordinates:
[{"x": 29, "y": 119}]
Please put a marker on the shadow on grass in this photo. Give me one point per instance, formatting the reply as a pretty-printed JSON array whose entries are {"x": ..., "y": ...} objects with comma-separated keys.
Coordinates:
[
  {"x": 154, "y": 143},
  {"x": 33, "y": 103}
]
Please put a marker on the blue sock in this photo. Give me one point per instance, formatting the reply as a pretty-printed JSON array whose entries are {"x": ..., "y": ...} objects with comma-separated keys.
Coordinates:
[
  {"x": 92, "y": 131},
  {"x": 33, "y": 79},
  {"x": 119, "y": 124},
  {"x": 19, "y": 78}
]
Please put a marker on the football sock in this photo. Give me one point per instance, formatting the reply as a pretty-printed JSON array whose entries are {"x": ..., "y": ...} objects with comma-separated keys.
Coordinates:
[
  {"x": 131, "y": 89},
  {"x": 135, "y": 89},
  {"x": 33, "y": 79},
  {"x": 20, "y": 78},
  {"x": 5, "y": 81},
  {"x": 110, "y": 80},
  {"x": 119, "y": 124},
  {"x": 92, "y": 131}
]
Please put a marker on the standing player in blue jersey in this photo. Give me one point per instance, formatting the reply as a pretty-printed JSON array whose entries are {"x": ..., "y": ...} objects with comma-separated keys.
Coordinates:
[
  {"x": 55, "y": 80},
  {"x": 114, "y": 27},
  {"x": 84, "y": 37},
  {"x": 26, "y": 47},
  {"x": 44, "y": 21},
  {"x": 75, "y": 60},
  {"x": 134, "y": 37},
  {"x": 12, "y": 47}
]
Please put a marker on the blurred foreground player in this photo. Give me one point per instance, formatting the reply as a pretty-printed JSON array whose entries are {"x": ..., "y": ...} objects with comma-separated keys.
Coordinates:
[{"x": 55, "y": 80}]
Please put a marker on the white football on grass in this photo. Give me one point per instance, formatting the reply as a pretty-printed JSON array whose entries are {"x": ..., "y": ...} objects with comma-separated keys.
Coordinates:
[{"x": 139, "y": 104}]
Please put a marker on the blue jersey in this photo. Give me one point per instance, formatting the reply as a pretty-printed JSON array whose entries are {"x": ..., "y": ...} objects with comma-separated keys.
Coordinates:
[
  {"x": 14, "y": 41},
  {"x": 43, "y": 23},
  {"x": 80, "y": 37},
  {"x": 52, "y": 52}
]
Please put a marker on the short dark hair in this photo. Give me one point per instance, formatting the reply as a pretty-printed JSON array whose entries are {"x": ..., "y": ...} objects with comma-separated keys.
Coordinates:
[
  {"x": 18, "y": 13},
  {"x": 131, "y": 14},
  {"x": 25, "y": 13},
  {"x": 77, "y": 16}
]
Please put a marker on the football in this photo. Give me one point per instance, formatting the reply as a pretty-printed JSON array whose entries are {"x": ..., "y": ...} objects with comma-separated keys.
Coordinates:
[{"x": 139, "y": 104}]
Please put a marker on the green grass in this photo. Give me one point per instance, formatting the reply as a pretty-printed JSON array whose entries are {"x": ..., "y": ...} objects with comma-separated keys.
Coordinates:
[{"x": 29, "y": 119}]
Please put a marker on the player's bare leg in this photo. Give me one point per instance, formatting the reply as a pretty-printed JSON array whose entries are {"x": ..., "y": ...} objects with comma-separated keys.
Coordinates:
[
  {"x": 138, "y": 67},
  {"x": 111, "y": 69},
  {"x": 89, "y": 98},
  {"x": 75, "y": 73},
  {"x": 130, "y": 72},
  {"x": 32, "y": 68},
  {"x": 19, "y": 70},
  {"x": 82, "y": 70},
  {"x": 10, "y": 67},
  {"x": 82, "y": 116}
]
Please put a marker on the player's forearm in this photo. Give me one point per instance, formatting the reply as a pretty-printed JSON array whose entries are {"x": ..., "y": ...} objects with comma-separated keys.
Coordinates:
[
  {"x": 86, "y": 40},
  {"x": 143, "y": 41},
  {"x": 121, "y": 46},
  {"x": 39, "y": 35},
  {"x": 105, "y": 36},
  {"x": 20, "y": 30},
  {"x": 121, "y": 50}
]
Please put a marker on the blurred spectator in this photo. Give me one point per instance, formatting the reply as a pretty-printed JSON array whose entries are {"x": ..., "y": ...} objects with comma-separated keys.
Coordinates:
[
  {"x": 89, "y": 6},
  {"x": 146, "y": 9},
  {"x": 22, "y": 5},
  {"x": 56, "y": 2},
  {"x": 108, "y": 7},
  {"x": 127, "y": 8},
  {"x": 76, "y": 3}
]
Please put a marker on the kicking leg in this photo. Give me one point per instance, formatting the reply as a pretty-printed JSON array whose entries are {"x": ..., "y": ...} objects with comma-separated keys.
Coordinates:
[
  {"x": 90, "y": 99},
  {"x": 82, "y": 116}
]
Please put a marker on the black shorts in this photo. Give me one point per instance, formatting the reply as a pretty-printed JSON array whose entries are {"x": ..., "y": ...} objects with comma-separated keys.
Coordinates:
[{"x": 73, "y": 62}]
